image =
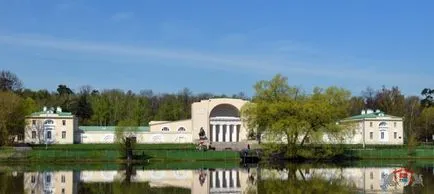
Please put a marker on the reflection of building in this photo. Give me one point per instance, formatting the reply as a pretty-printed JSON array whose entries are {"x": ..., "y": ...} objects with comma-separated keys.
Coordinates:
[
  {"x": 60, "y": 182},
  {"x": 366, "y": 180},
  {"x": 198, "y": 181}
]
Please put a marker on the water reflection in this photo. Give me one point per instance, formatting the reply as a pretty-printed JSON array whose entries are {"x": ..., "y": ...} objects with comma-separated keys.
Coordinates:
[{"x": 290, "y": 179}]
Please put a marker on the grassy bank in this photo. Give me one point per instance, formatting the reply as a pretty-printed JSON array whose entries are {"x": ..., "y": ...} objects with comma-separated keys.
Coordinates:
[{"x": 110, "y": 153}]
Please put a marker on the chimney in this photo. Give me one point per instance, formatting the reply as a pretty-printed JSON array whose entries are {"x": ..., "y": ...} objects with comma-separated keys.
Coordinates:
[
  {"x": 44, "y": 109},
  {"x": 363, "y": 112},
  {"x": 377, "y": 111},
  {"x": 369, "y": 111},
  {"x": 58, "y": 109}
]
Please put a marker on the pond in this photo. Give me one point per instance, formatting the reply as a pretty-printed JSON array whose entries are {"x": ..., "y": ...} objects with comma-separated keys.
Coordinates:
[{"x": 380, "y": 177}]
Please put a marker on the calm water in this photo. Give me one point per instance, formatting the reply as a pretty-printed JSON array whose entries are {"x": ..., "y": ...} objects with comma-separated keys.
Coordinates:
[{"x": 286, "y": 178}]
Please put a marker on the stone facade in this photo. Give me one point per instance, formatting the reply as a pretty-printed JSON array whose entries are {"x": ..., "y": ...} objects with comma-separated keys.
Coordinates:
[
  {"x": 50, "y": 126},
  {"x": 376, "y": 128},
  {"x": 219, "y": 118}
]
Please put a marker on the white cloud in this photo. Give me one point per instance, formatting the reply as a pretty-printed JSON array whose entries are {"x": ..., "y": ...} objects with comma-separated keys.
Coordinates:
[
  {"x": 120, "y": 16},
  {"x": 258, "y": 64}
]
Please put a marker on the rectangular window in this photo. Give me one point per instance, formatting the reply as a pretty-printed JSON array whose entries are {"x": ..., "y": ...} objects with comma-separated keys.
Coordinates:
[
  {"x": 33, "y": 134},
  {"x": 63, "y": 122},
  {"x": 371, "y": 175},
  {"x": 63, "y": 190},
  {"x": 382, "y": 135},
  {"x": 370, "y": 124},
  {"x": 371, "y": 135},
  {"x": 395, "y": 134},
  {"x": 63, "y": 134},
  {"x": 33, "y": 179},
  {"x": 48, "y": 178},
  {"x": 48, "y": 134},
  {"x": 33, "y": 122},
  {"x": 394, "y": 124},
  {"x": 63, "y": 178}
]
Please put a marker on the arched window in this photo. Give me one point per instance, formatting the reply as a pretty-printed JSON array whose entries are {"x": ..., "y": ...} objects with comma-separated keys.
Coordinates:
[
  {"x": 181, "y": 129},
  {"x": 49, "y": 122},
  {"x": 165, "y": 129}
]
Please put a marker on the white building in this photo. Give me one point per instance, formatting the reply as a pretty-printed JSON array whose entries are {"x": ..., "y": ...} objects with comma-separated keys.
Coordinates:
[
  {"x": 375, "y": 128},
  {"x": 219, "y": 118}
]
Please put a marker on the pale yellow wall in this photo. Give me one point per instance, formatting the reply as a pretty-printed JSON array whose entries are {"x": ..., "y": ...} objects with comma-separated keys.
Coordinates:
[
  {"x": 172, "y": 125},
  {"x": 71, "y": 125},
  {"x": 200, "y": 112},
  {"x": 142, "y": 137},
  {"x": 391, "y": 129}
]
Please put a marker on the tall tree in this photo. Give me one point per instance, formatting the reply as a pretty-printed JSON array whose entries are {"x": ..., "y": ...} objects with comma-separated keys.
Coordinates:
[
  {"x": 9, "y": 81},
  {"x": 64, "y": 97},
  {"x": 369, "y": 96},
  {"x": 391, "y": 101},
  {"x": 428, "y": 99},
  {"x": 357, "y": 104},
  {"x": 281, "y": 111},
  {"x": 124, "y": 134},
  {"x": 12, "y": 117},
  {"x": 426, "y": 121}
]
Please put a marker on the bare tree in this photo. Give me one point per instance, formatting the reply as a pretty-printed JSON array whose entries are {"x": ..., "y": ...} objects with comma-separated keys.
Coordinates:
[
  {"x": 36, "y": 131},
  {"x": 9, "y": 81}
]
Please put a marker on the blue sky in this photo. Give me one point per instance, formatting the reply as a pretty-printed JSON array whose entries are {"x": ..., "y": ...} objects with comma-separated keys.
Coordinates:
[{"x": 218, "y": 46}]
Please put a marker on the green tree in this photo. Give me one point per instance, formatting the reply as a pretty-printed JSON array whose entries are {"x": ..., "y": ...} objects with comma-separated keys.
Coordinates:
[
  {"x": 357, "y": 104},
  {"x": 125, "y": 134},
  {"x": 12, "y": 117},
  {"x": 426, "y": 123},
  {"x": 391, "y": 101},
  {"x": 64, "y": 97},
  {"x": 288, "y": 115},
  {"x": 428, "y": 99}
]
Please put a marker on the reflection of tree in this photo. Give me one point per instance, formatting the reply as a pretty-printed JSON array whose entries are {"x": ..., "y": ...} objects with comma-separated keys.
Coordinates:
[
  {"x": 298, "y": 182},
  {"x": 11, "y": 184}
]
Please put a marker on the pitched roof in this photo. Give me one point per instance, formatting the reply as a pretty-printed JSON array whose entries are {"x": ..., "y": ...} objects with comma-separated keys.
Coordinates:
[
  {"x": 371, "y": 116},
  {"x": 42, "y": 113},
  {"x": 109, "y": 128}
]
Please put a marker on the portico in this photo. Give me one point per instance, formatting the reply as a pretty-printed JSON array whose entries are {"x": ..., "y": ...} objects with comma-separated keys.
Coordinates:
[{"x": 225, "y": 129}]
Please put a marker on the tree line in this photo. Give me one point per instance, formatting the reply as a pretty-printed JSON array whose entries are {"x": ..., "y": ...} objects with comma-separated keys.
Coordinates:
[{"x": 108, "y": 107}]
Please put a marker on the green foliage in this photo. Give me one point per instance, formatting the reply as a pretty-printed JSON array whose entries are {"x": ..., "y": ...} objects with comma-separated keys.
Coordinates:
[
  {"x": 124, "y": 134},
  {"x": 428, "y": 99},
  {"x": 287, "y": 115},
  {"x": 12, "y": 116}
]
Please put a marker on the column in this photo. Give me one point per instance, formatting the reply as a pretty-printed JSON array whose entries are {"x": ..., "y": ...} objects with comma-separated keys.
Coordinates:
[
  {"x": 227, "y": 133},
  {"x": 221, "y": 133},
  {"x": 214, "y": 179},
  {"x": 214, "y": 133},
  {"x": 224, "y": 180},
  {"x": 234, "y": 133},
  {"x": 220, "y": 177},
  {"x": 228, "y": 180}
]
